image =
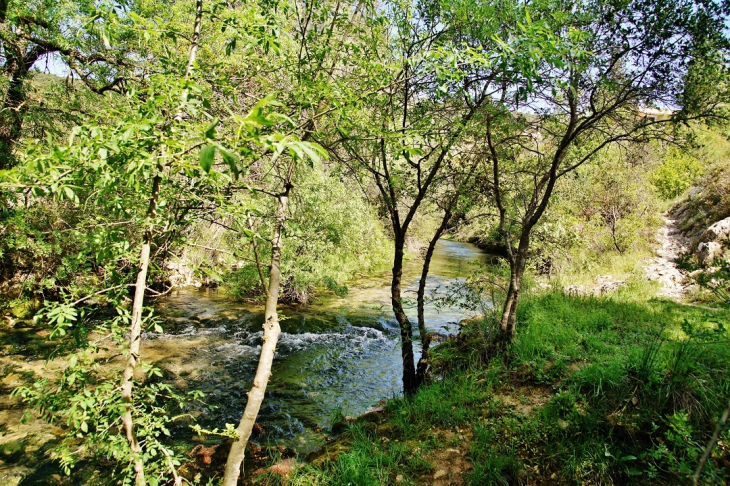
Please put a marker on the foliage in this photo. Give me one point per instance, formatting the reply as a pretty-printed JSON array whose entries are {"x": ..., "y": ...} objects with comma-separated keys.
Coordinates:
[
  {"x": 85, "y": 398},
  {"x": 710, "y": 202},
  {"x": 167, "y": 128},
  {"x": 676, "y": 174},
  {"x": 332, "y": 235},
  {"x": 140, "y": 163}
]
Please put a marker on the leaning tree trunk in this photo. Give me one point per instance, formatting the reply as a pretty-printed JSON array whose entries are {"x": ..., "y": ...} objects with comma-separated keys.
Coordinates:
[
  {"x": 135, "y": 333},
  {"x": 423, "y": 363},
  {"x": 270, "y": 338},
  {"x": 406, "y": 329},
  {"x": 711, "y": 445}
]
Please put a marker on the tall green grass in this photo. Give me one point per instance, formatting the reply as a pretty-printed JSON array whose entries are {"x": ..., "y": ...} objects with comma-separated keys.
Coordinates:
[{"x": 624, "y": 390}]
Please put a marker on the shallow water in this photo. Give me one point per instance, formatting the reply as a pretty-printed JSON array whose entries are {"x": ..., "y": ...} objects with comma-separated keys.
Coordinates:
[{"x": 336, "y": 355}]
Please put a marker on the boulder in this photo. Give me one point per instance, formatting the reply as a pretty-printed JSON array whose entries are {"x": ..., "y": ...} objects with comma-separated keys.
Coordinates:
[
  {"x": 718, "y": 232},
  {"x": 708, "y": 251},
  {"x": 284, "y": 468},
  {"x": 575, "y": 290},
  {"x": 606, "y": 284}
]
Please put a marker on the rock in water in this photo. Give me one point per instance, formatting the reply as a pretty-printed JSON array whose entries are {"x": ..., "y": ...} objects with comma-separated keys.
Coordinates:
[{"x": 11, "y": 450}]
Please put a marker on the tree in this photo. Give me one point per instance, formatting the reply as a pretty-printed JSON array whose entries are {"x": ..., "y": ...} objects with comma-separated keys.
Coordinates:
[
  {"x": 79, "y": 32},
  {"x": 404, "y": 132},
  {"x": 270, "y": 338},
  {"x": 146, "y": 168},
  {"x": 458, "y": 185},
  {"x": 577, "y": 80}
]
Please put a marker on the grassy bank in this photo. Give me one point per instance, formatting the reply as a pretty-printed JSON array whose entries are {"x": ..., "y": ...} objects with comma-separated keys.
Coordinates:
[{"x": 611, "y": 390}]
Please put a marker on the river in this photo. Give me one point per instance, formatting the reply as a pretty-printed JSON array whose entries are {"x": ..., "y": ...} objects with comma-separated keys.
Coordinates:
[{"x": 335, "y": 356}]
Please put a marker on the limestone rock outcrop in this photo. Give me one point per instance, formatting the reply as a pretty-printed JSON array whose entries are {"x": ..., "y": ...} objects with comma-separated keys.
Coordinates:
[{"x": 713, "y": 241}]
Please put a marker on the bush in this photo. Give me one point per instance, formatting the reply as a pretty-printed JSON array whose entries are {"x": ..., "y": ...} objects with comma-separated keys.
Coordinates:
[{"x": 676, "y": 174}]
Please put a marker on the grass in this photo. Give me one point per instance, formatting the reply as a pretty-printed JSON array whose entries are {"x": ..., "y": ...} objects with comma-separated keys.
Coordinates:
[
  {"x": 610, "y": 390},
  {"x": 584, "y": 265}
]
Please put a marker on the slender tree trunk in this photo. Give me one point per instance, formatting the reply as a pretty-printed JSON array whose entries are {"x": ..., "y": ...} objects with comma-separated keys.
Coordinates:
[
  {"x": 711, "y": 445},
  {"x": 423, "y": 363},
  {"x": 135, "y": 333},
  {"x": 270, "y": 338},
  {"x": 406, "y": 328},
  {"x": 256, "y": 254},
  {"x": 509, "y": 313}
]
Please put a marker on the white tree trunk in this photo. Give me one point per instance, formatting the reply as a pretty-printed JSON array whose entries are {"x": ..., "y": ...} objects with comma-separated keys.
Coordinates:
[
  {"x": 270, "y": 338},
  {"x": 133, "y": 359},
  {"x": 135, "y": 331}
]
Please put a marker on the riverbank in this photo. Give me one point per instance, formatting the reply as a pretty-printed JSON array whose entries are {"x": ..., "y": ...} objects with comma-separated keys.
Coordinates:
[
  {"x": 618, "y": 388},
  {"x": 595, "y": 390}
]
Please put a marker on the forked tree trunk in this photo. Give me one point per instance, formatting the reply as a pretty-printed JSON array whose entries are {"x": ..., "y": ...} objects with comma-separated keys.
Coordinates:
[
  {"x": 423, "y": 363},
  {"x": 266, "y": 358},
  {"x": 406, "y": 328}
]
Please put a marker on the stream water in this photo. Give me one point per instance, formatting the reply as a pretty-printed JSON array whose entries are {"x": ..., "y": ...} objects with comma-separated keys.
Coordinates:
[
  {"x": 335, "y": 356},
  {"x": 338, "y": 355}
]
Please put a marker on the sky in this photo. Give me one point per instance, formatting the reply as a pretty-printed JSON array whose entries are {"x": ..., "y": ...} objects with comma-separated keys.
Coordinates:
[{"x": 52, "y": 64}]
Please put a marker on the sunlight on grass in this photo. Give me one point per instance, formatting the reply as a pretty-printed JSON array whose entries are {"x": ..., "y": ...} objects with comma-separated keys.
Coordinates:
[{"x": 611, "y": 390}]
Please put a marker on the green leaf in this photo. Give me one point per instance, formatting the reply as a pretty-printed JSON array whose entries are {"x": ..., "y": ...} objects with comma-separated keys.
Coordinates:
[
  {"x": 230, "y": 46},
  {"x": 69, "y": 192},
  {"x": 210, "y": 131},
  {"x": 105, "y": 39},
  {"x": 231, "y": 159},
  {"x": 207, "y": 154}
]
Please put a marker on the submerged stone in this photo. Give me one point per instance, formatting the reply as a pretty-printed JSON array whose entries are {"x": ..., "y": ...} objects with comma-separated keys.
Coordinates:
[{"x": 12, "y": 449}]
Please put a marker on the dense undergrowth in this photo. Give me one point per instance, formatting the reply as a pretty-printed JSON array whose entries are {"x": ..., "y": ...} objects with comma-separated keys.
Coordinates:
[{"x": 614, "y": 390}]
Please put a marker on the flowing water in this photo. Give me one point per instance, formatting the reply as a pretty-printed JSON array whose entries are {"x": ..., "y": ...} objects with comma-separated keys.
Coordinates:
[{"x": 334, "y": 356}]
